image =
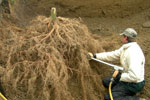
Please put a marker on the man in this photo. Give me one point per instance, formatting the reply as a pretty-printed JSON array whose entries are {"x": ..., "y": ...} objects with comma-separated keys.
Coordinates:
[{"x": 131, "y": 57}]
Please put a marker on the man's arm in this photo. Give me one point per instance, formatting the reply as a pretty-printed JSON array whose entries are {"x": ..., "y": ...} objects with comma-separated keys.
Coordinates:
[{"x": 109, "y": 56}]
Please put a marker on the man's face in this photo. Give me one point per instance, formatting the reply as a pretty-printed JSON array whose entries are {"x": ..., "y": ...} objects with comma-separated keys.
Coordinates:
[{"x": 124, "y": 39}]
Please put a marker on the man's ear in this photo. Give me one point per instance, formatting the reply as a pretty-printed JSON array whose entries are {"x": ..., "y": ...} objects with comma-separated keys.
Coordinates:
[{"x": 126, "y": 37}]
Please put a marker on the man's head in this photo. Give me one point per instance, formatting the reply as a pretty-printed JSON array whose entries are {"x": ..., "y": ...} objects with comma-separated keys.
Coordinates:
[
  {"x": 129, "y": 32},
  {"x": 129, "y": 35}
]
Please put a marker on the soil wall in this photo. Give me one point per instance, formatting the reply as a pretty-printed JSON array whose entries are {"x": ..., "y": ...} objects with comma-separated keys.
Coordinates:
[
  {"x": 46, "y": 59},
  {"x": 80, "y": 8}
]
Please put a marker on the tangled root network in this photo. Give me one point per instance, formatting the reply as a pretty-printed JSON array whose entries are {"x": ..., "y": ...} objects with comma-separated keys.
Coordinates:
[{"x": 48, "y": 62}]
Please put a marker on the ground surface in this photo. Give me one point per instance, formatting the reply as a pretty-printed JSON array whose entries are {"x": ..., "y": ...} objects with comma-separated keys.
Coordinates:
[{"x": 105, "y": 20}]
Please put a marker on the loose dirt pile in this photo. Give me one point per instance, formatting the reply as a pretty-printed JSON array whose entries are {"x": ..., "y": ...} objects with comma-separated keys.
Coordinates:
[{"x": 47, "y": 61}]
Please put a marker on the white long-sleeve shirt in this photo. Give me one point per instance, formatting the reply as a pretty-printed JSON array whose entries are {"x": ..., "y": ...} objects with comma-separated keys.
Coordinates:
[{"x": 132, "y": 60}]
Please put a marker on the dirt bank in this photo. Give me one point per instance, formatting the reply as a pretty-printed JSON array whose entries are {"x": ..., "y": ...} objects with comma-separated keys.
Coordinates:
[
  {"x": 80, "y": 8},
  {"x": 45, "y": 60}
]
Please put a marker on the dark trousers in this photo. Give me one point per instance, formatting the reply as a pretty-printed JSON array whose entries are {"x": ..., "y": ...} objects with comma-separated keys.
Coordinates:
[{"x": 119, "y": 92}]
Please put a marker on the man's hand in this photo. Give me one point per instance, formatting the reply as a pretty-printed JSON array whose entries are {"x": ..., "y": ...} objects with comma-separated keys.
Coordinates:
[
  {"x": 117, "y": 76},
  {"x": 90, "y": 56},
  {"x": 115, "y": 73}
]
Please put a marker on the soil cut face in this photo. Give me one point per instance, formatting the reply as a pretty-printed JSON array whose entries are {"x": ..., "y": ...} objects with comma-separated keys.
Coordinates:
[{"x": 45, "y": 59}]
